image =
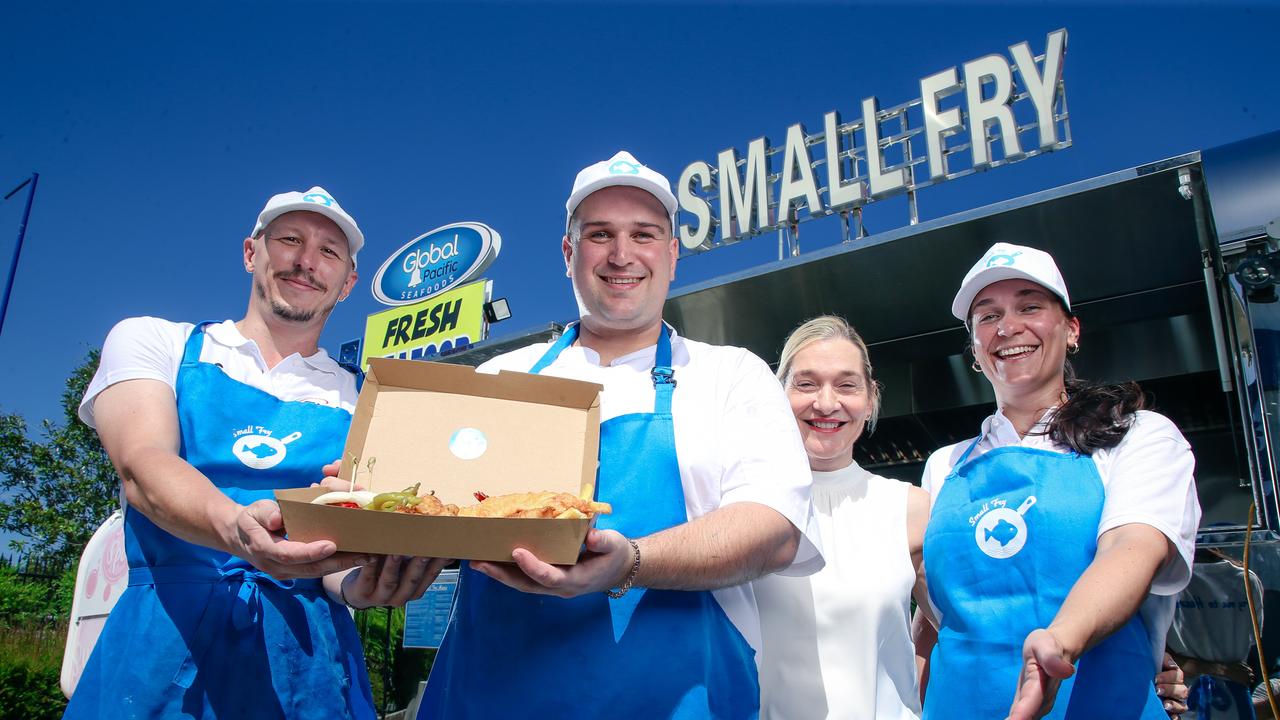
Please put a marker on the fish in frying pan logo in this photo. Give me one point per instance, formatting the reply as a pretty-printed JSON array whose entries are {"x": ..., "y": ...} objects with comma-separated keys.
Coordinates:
[
  {"x": 1004, "y": 259},
  {"x": 1001, "y": 532},
  {"x": 256, "y": 448}
]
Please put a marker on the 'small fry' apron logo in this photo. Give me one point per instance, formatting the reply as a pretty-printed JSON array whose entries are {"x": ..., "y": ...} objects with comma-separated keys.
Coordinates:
[
  {"x": 1000, "y": 532},
  {"x": 255, "y": 448}
]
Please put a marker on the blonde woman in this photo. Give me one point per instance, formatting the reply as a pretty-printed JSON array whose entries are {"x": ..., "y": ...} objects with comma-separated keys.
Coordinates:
[{"x": 837, "y": 643}]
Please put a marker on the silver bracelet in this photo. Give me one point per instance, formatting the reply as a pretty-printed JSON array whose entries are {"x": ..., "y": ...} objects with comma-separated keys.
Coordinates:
[{"x": 631, "y": 576}]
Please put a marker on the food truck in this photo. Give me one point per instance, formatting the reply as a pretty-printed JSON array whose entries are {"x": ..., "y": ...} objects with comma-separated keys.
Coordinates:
[{"x": 1172, "y": 265}]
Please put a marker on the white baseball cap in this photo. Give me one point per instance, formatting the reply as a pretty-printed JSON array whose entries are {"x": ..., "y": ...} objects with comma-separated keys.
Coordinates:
[
  {"x": 317, "y": 200},
  {"x": 1004, "y": 261},
  {"x": 621, "y": 169}
]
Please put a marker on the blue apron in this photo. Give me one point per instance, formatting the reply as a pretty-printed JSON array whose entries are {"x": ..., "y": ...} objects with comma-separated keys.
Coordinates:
[
  {"x": 649, "y": 654},
  {"x": 1216, "y": 698},
  {"x": 201, "y": 633},
  {"x": 1011, "y": 532}
]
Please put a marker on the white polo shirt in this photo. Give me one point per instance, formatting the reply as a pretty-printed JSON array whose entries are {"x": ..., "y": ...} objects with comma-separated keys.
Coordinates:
[
  {"x": 1147, "y": 478},
  {"x": 736, "y": 438},
  {"x": 151, "y": 348}
]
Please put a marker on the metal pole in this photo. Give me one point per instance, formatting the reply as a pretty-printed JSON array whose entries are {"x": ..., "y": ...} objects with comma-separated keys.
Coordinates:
[
  {"x": 386, "y": 667},
  {"x": 17, "y": 248}
]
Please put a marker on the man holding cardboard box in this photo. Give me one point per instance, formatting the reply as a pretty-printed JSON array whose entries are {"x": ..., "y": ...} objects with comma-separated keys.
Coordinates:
[
  {"x": 703, "y": 465},
  {"x": 221, "y": 617}
]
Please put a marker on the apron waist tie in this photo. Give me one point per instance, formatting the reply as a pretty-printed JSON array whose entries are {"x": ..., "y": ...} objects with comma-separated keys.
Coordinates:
[{"x": 242, "y": 610}]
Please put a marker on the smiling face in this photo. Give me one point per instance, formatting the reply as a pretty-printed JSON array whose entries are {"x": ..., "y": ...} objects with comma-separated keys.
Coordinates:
[
  {"x": 301, "y": 267},
  {"x": 622, "y": 257},
  {"x": 831, "y": 399},
  {"x": 1020, "y": 337}
]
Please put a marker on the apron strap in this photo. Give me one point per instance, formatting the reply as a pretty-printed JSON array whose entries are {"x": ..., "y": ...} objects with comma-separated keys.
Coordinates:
[
  {"x": 195, "y": 342},
  {"x": 967, "y": 452},
  {"x": 664, "y": 381},
  {"x": 567, "y": 338},
  {"x": 354, "y": 370},
  {"x": 241, "y": 610}
]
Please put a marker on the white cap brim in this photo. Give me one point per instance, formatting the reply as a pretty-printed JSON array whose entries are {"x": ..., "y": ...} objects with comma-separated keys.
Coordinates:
[
  {"x": 973, "y": 285},
  {"x": 663, "y": 194},
  {"x": 278, "y": 206},
  {"x": 355, "y": 239},
  {"x": 621, "y": 169}
]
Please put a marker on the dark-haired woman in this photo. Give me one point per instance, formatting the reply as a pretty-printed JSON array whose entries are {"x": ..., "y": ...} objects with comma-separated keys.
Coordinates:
[{"x": 1060, "y": 534}]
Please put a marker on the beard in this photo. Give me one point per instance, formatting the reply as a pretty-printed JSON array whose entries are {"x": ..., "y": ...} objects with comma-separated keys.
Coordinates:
[{"x": 287, "y": 312}]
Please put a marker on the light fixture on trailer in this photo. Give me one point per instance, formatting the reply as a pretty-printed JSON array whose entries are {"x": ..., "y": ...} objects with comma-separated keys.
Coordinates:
[{"x": 497, "y": 310}]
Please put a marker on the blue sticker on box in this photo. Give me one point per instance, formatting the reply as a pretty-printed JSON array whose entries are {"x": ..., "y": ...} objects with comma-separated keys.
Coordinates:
[{"x": 468, "y": 443}]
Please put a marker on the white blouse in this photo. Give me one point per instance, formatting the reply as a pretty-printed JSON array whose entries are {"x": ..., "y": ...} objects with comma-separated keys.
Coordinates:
[{"x": 838, "y": 643}]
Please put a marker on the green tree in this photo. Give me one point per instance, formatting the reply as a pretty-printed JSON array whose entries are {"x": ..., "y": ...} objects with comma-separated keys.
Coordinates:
[
  {"x": 388, "y": 660},
  {"x": 60, "y": 488}
]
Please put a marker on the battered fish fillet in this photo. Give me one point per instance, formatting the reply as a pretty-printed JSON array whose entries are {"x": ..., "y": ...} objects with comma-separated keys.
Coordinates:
[
  {"x": 535, "y": 505},
  {"x": 431, "y": 505}
]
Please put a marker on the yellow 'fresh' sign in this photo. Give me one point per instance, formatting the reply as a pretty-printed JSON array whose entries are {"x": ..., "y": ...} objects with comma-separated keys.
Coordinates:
[{"x": 450, "y": 320}]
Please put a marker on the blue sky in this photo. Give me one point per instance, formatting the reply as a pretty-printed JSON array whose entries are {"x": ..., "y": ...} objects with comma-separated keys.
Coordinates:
[{"x": 159, "y": 129}]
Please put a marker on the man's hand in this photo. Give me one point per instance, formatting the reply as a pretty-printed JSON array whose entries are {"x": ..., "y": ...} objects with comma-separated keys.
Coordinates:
[
  {"x": 1044, "y": 667},
  {"x": 604, "y": 565},
  {"x": 331, "y": 470},
  {"x": 259, "y": 538},
  {"x": 334, "y": 484},
  {"x": 391, "y": 580},
  {"x": 331, "y": 482},
  {"x": 1171, "y": 687}
]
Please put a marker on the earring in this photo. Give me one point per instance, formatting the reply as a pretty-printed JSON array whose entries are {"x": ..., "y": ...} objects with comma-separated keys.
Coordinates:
[
  {"x": 976, "y": 367},
  {"x": 1073, "y": 348}
]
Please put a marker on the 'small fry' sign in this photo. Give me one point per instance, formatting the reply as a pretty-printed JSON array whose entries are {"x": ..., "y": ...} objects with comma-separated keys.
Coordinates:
[{"x": 987, "y": 112}]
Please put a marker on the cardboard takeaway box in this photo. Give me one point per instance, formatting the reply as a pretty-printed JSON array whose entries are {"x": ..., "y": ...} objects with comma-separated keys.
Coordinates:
[{"x": 457, "y": 432}]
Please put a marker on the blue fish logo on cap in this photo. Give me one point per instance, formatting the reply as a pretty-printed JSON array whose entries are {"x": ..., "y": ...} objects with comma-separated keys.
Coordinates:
[
  {"x": 622, "y": 167},
  {"x": 318, "y": 199},
  {"x": 1009, "y": 259}
]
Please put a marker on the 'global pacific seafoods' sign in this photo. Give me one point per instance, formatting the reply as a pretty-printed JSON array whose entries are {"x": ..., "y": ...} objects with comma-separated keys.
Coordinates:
[{"x": 436, "y": 261}]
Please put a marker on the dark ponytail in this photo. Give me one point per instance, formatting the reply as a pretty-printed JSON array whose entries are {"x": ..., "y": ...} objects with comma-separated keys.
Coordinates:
[{"x": 1094, "y": 416}]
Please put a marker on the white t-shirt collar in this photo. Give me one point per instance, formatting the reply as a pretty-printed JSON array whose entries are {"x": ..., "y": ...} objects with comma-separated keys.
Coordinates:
[
  {"x": 999, "y": 431},
  {"x": 642, "y": 357},
  {"x": 226, "y": 333}
]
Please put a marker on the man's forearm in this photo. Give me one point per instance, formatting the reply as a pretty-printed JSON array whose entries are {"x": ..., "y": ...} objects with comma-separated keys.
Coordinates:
[
  {"x": 137, "y": 422},
  {"x": 728, "y": 546},
  {"x": 178, "y": 498}
]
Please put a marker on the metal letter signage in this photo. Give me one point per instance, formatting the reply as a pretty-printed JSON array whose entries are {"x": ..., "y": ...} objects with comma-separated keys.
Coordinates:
[
  {"x": 432, "y": 263},
  {"x": 989, "y": 112}
]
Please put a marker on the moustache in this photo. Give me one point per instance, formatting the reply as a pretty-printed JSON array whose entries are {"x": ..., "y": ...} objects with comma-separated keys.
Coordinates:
[{"x": 307, "y": 277}]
